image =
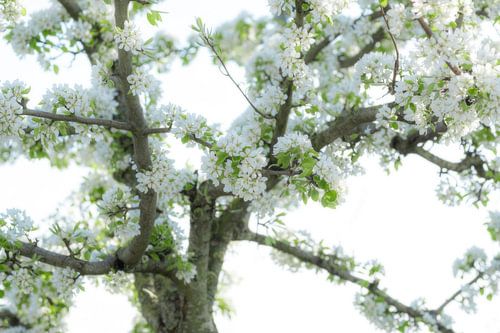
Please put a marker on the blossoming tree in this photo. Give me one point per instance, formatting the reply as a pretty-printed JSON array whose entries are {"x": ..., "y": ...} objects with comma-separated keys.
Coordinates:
[{"x": 327, "y": 82}]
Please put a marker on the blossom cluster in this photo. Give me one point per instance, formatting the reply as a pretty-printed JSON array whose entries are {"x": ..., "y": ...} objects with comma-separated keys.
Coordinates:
[
  {"x": 129, "y": 38},
  {"x": 143, "y": 83},
  {"x": 116, "y": 205},
  {"x": 397, "y": 17},
  {"x": 31, "y": 290},
  {"x": 11, "y": 97},
  {"x": 295, "y": 42},
  {"x": 326, "y": 10},
  {"x": 94, "y": 102},
  {"x": 486, "y": 273},
  {"x": 237, "y": 158},
  {"x": 270, "y": 100},
  {"x": 10, "y": 11},
  {"x": 185, "y": 271},
  {"x": 377, "y": 311},
  {"x": 238, "y": 169},
  {"x": 189, "y": 125},
  {"x": 44, "y": 20},
  {"x": 375, "y": 68},
  {"x": 443, "y": 13},
  {"x": 15, "y": 225},
  {"x": 162, "y": 178}
]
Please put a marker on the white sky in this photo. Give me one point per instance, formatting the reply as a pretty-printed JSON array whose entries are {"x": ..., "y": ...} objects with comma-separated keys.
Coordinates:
[{"x": 395, "y": 219}]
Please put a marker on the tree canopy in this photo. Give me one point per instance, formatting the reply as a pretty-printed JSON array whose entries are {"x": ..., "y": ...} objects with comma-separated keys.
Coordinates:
[{"x": 326, "y": 82}]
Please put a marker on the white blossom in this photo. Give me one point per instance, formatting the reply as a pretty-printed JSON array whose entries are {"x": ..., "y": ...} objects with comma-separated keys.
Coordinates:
[
  {"x": 143, "y": 83},
  {"x": 186, "y": 274},
  {"x": 80, "y": 30},
  {"x": 494, "y": 225},
  {"x": 11, "y": 123},
  {"x": 66, "y": 281},
  {"x": 292, "y": 141},
  {"x": 162, "y": 178},
  {"x": 474, "y": 258},
  {"x": 128, "y": 38},
  {"x": 397, "y": 17},
  {"x": 278, "y": 7},
  {"x": 14, "y": 224}
]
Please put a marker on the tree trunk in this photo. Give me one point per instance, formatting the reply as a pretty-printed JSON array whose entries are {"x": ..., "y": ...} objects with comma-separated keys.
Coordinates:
[{"x": 168, "y": 308}]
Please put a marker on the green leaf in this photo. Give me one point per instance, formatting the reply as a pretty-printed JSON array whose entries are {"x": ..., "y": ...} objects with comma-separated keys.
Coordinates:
[
  {"x": 383, "y": 3},
  {"x": 153, "y": 17},
  {"x": 402, "y": 328},
  {"x": 394, "y": 125},
  {"x": 329, "y": 199},
  {"x": 304, "y": 198},
  {"x": 308, "y": 164},
  {"x": 314, "y": 194},
  {"x": 270, "y": 241},
  {"x": 55, "y": 68}
]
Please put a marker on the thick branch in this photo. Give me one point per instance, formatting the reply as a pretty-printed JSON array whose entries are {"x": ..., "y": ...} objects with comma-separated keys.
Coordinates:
[
  {"x": 328, "y": 264},
  {"x": 109, "y": 264},
  {"x": 315, "y": 50},
  {"x": 134, "y": 251},
  {"x": 470, "y": 161},
  {"x": 411, "y": 145},
  {"x": 351, "y": 61},
  {"x": 11, "y": 318},
  {"x": 77, "y": 119},
  {"x": 344, "y": 125},
  {"x": 72, "y": 8}
]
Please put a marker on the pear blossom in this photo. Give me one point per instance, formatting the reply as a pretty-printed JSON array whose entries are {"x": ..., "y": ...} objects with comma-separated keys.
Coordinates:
[{"x": 128, "y": 38}]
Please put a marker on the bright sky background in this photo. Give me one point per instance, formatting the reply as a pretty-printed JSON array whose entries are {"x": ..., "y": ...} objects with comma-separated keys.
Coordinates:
[{"x": 395, "y": 219}]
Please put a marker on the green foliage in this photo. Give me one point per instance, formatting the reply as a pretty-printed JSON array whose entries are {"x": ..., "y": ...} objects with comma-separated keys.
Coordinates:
[{"x": 154, "y": 17}]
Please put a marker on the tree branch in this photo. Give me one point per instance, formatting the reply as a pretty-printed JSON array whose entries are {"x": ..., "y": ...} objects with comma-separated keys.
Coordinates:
[
  {"x": 396, "y": 62},
  {"x": 286, "y": 86},
  {"x": 132, "y": 254},
  {"x": 72, "y": 7},
  {"x": 410, "y": 145},
  {"x": 11, "y": 318},
  {"x": 344, "y": 125},
  {"x": 457, "y": 293},
  {"x": 328, "y": 264},
  {"x": 316, "y": 49},
  {"x": 108, "y": 123},
  {"x": 74, "y": 10},
  {"x": 109, "y": 264},
  {"x": 351, "y": 61},
  {"x": 470, "y": 161},
  {"x": 160, "y": 130}
]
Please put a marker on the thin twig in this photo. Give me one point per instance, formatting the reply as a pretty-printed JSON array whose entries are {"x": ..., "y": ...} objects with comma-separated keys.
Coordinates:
[
  {"x": 392, "y": 88},
  {"x": 226, "y": 72},
  {"x": 430, "y": 34},
  {"x": 457, "y": 293}
]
